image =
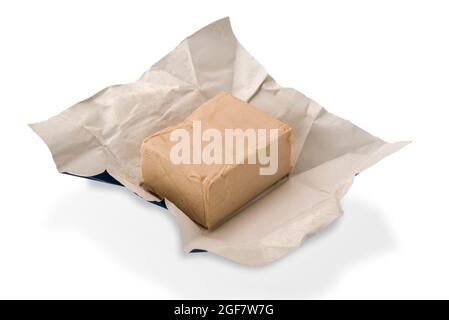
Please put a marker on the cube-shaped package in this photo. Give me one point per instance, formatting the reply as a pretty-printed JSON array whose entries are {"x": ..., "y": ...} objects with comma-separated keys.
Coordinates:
[{"x": 220, "y": 157}]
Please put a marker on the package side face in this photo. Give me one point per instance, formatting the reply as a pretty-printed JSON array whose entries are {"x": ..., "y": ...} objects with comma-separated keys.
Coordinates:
[
  {"x": 241, "y": 183},
  {"x": 167, "y": 180}
]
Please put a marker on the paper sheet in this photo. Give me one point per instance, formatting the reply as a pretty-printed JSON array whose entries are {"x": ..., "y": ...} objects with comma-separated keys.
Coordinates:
[{"x": 105, "y": 131}]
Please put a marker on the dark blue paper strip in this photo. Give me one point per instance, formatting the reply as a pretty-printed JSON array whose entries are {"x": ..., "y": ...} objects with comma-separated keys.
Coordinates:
[{"x": 107, "y": 178}]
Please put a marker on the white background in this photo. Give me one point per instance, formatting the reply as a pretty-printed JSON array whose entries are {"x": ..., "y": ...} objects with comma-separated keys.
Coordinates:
[{"x": 384, "y": 65}]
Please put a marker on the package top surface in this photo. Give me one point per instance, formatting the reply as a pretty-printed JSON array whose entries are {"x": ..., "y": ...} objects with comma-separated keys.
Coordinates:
[{"x": 222, "y": 112}]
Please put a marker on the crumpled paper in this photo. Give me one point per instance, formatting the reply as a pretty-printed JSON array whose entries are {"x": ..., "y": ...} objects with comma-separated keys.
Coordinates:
[{"x": 105, "y": 131}]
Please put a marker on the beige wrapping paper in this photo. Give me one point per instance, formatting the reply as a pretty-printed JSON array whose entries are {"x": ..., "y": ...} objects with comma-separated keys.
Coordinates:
[{"x": 105, "y": 131}]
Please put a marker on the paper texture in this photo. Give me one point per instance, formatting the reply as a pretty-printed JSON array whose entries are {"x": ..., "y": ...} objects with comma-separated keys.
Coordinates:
[{"x": 105, "y": 131}]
